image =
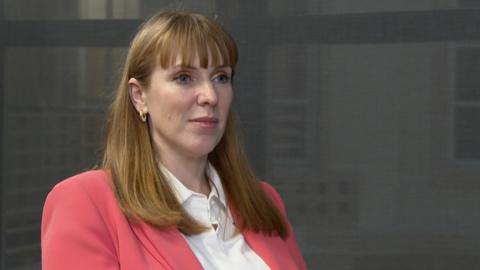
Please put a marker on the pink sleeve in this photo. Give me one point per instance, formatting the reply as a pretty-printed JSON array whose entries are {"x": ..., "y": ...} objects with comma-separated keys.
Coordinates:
[
  {"x": 74, "y": 236},
  {"x": 291, "y": 241}
]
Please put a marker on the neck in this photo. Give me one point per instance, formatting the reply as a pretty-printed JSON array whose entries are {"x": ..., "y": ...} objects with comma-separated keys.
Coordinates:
[{"x": 190, "y": 171}]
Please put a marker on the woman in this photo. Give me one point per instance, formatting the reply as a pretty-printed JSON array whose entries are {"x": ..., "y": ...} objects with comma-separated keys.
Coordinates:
[{"x": 175, "y": 190}]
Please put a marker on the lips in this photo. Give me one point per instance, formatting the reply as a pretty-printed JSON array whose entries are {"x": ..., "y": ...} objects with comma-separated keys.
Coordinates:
[{"x": 205, "y": 121}]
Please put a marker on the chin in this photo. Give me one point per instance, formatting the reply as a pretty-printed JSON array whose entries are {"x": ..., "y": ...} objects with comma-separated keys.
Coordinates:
[
  {"x": 202, "y": 150},
  {"x": 202, "y": 146}
]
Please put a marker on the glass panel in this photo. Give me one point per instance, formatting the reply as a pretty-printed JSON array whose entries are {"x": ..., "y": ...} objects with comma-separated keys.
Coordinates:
[
  {"x": 467, "y": 77},
  {"x": 469, "y": 3},
  {"x": 288, "y": 81},
  {"x": 315, "y": 7},
  {"x": 96, "y": 9},
  {"x": 37, "y": 10},
  {"x": 55, "y": 101},
  {"x": 352, "y": 126},
  {"x": 467, "y": 133}
]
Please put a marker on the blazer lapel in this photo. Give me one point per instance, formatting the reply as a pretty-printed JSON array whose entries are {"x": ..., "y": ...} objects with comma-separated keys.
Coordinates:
[
  {"x": 167, "y": 246},
  {"x": 172, "y": 251}
]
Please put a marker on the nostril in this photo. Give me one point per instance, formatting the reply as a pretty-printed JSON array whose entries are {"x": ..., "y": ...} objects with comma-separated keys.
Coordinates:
[
  {"x": 210, "y": 99},
  {"x": 208, "y": 95}
]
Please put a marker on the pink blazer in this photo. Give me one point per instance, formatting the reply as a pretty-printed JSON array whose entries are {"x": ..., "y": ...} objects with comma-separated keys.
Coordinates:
[{"x": 83, "y": 228}]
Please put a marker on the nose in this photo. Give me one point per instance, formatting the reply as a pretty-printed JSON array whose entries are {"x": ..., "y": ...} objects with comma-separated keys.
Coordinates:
[{"x": 207, "y": 94}]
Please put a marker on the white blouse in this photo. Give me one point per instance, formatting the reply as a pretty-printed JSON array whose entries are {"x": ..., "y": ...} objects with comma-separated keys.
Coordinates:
[{"x": 220, "y": 247}]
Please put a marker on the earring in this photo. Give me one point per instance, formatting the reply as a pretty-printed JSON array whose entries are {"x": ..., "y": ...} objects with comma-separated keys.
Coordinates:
[{"x": 143, "y": 116}]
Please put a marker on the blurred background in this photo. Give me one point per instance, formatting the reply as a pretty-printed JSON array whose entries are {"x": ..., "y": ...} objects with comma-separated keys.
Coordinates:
[{"x": 364, "y": 114}]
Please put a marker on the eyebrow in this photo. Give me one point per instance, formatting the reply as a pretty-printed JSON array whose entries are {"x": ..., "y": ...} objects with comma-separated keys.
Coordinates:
[
  {"x": 183, "y": 66},
  {"x": 180, "y": 66}
]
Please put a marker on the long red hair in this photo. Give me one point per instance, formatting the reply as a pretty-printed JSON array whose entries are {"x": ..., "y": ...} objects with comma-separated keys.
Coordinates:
[{"x": 138, "y": 184}]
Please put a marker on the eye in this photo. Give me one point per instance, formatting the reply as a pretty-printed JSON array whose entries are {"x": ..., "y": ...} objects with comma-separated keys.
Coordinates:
[
  {"x": 222, "y": 78},
  {"x": 183, "y": 78}
]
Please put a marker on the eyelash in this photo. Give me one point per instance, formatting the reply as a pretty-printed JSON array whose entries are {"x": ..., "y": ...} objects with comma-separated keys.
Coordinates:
[
  {"x": 178, "y": 78},
  {"x": 185, "y": 78},
  {"x": 226, "y": 78}
]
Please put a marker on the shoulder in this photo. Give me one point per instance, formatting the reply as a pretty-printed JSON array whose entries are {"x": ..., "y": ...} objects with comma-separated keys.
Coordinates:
[
  {"x": 78, "y": 223},
  {"x": 80, "y": 192},
  {"x": 90, "y": 181}
]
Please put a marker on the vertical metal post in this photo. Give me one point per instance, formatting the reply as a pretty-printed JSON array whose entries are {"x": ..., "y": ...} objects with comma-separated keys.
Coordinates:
[
  {"x": 2, "y": 106},
  {"x": 109, "y": 11}
]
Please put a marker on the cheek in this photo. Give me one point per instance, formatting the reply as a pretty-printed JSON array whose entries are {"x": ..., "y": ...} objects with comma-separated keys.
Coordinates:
[
  {"x": 226, "y": 99},
  {"x": 169, "y": 107}
]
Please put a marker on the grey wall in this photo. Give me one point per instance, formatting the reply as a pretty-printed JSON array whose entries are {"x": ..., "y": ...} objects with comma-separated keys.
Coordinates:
[{"x": 363, "y": 114}]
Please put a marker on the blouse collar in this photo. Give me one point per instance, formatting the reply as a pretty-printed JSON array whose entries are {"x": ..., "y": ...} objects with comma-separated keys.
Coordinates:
[{"x": 183, "y": 193}]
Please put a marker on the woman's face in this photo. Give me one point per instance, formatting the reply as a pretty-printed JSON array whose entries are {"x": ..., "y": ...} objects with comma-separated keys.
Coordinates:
[{"x": 188, "y": 108}]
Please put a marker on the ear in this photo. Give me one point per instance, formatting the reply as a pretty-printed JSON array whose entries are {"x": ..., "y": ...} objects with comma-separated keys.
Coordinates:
[{"x": 137, "y": 95}]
